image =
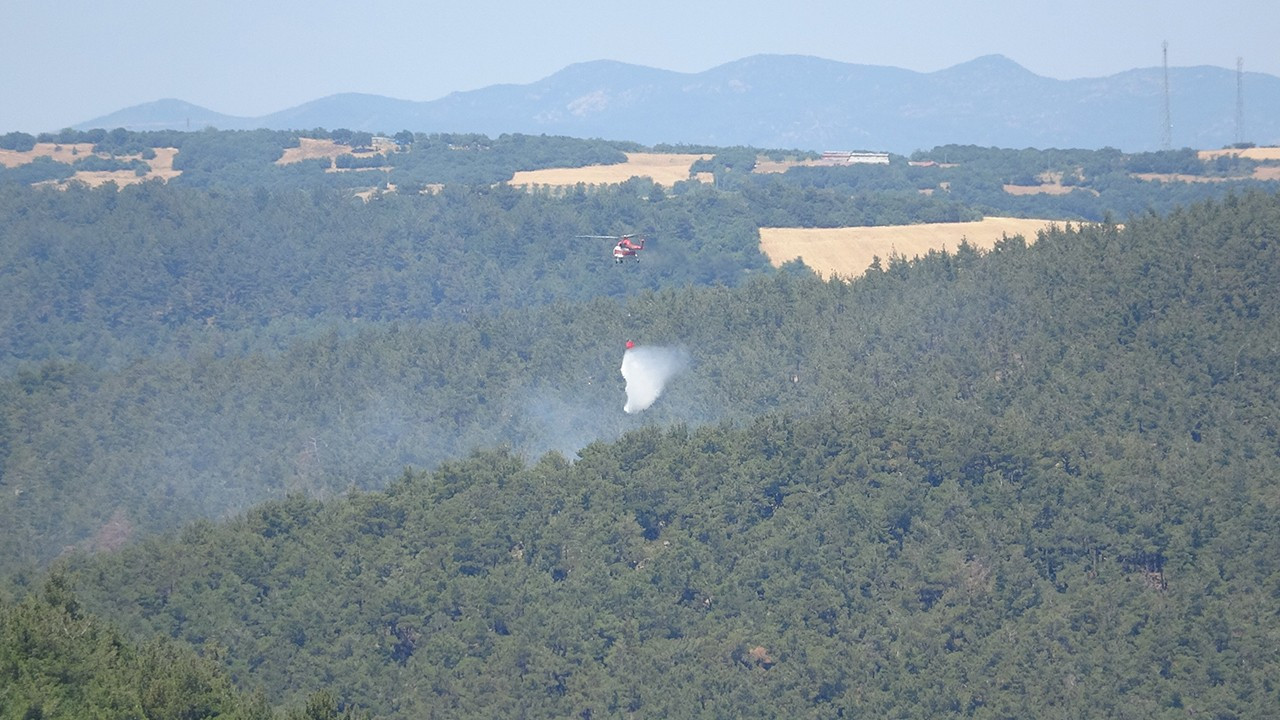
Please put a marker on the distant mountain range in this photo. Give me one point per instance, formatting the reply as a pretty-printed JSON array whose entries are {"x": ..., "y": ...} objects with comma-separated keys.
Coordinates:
[{"x": 795, "y": 101}]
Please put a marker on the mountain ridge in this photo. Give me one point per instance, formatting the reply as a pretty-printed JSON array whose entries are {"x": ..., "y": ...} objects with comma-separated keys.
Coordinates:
[{"x": 799, "y": 101}]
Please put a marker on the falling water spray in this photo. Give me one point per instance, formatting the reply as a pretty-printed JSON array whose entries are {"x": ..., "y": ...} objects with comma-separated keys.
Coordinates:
[{"x": 647, "y": 370}]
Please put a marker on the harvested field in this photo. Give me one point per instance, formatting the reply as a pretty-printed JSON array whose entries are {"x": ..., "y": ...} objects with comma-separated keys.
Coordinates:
[
  {"x": 161, "y": 166},
  {"x": 1261, "y": 154},
  {"x": 1175, "y": 177},
  {"x": 310, "y": 148},
  {"x": 1044, "y": 189},
  {"x": 1261, "y": 172},
  {"x": 59, "y": 153},
  {"x": 765, "y": 165},
  {"x": 1050, "y": 183},
  {"x": 848, "y": 252},
  {"x": 665, "y": 169}
]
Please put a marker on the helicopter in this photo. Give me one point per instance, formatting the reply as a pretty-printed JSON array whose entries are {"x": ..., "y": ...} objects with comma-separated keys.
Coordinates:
[{"x": 628, "y": 246}]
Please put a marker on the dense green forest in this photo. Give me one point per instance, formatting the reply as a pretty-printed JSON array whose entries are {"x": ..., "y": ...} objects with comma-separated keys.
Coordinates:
[
  {"x": 104, "y": 276},
  {"x": 58, "y": 661},
  {"x": 1039, "y": 480}
]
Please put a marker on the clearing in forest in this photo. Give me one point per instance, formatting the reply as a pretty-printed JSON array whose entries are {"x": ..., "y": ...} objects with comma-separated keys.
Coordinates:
[
  {"x": 849, "y": 251},
  {"x": 312, "y": 148},
  {"x": 160, "y": 166},
  {"x": 665, "y": 169},
  {"x": 68, "y": 153}
]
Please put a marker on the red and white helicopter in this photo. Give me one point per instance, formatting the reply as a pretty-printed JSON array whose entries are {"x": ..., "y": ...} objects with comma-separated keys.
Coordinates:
[{"x": 627, "y": 246}]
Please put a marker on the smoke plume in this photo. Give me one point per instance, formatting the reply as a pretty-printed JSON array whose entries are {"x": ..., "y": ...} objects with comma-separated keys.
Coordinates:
[{"x": 647, "y": 370}]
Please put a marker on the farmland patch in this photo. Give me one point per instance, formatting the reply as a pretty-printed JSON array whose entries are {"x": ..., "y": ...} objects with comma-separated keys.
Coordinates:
[
  {"x": 663, "y": 168},
  {"x": 158, "y": 167},
  {"x": 849, "y": 251}
]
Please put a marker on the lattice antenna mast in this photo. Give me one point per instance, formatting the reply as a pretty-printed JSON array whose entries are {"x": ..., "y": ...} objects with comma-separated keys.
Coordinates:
[
  {"x": 1239, "y": 101},
  {"x": 1166, "y": 140}
]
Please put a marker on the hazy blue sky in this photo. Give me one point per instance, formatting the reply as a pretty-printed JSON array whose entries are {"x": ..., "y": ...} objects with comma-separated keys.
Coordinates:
[{"x": 67, "y": 61}]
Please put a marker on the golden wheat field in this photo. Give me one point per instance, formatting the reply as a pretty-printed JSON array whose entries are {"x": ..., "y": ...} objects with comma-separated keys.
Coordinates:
[
  {"x": 665, "y": 169},
  {"x": 848, "y": 252}
]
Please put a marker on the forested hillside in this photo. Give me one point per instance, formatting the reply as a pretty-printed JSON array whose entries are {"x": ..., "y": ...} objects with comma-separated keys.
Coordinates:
[
  {"x": 1039, "y": 481},
  {"x": 58, "y": 661},
  {"x": 105, "y": 276},
  {"x": 240, "y": 252}
]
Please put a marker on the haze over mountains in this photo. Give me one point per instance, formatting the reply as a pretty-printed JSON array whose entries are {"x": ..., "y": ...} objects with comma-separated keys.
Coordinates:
[{"x": 795, "y": 101}]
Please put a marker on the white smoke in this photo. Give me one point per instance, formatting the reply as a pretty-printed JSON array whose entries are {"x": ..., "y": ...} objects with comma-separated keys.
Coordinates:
[{"x": 647, "y": 370}]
